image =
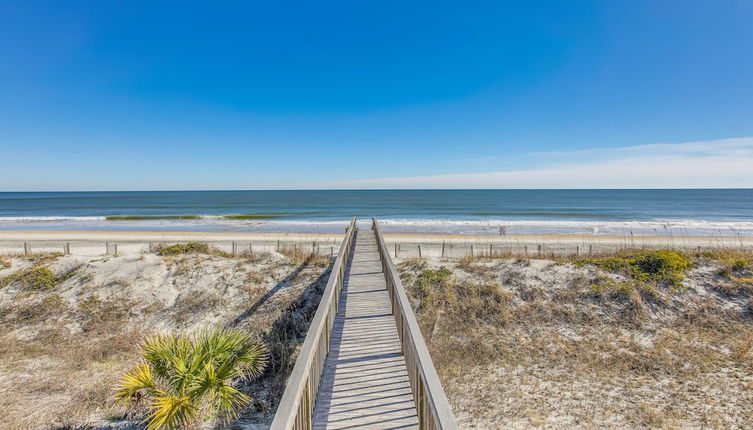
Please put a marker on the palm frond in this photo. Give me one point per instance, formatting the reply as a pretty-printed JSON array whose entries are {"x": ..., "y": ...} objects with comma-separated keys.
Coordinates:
[
  {"x": 227, "y": 402},
  {"x": 185, "y": 376},
  {"x": 135, "y": 380},
  {"x": 170, "y": 412}
]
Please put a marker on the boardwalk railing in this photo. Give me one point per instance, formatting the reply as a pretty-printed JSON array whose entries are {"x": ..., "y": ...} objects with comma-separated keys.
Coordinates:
[
  {"x": 297, "y": 404},
  {"x": 434, "y": 412}
]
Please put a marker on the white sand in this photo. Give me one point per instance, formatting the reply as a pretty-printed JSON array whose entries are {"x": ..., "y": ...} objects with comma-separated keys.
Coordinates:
[{"x": 91, "y": 243}]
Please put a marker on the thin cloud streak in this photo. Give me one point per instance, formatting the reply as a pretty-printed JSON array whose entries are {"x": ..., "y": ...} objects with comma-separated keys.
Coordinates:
[{"x": 726, "y": 163}]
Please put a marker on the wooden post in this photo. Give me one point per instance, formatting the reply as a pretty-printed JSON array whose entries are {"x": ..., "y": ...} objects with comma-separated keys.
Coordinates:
[
  {"x": 577, "y": 250},
  {"x": 250, "y": 248},
  {"x": 233, "y": 247},
  {"x": 396, "y": 248},
  {"x": 525, "y": 250},
  {"x": 539, "y": 251},
  {"x": 490, "y": 250},
  {"x": 107, "y": 248},
  {"x": 278, "y": 245},
  {"x": 67, "y": 248},
  {"x": 419, "y": 252},
  {"x": 443, "y": 249},
  {"x": 699, "y": 249},
  {"x": 27, "y": 248},
  {"x": 590, "y": 250},
  {"x": 116, "y": 250},
  {"x": 471, "y": 251},
  {"x": 313, "y": 247},
  {"x": 331, "y": 251}
]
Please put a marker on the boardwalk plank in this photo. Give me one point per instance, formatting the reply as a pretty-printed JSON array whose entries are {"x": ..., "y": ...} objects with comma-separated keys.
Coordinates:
[{"x": 365, "y": 382}]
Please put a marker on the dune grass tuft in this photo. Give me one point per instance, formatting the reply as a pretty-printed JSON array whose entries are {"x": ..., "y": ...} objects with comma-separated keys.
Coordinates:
[
  {"x": 36, "y": 278},
  {"x": 182, "y": 248}
]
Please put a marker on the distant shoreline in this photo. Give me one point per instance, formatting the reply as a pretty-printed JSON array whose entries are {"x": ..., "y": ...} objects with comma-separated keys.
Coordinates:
[{"x": 214, "y": 235}]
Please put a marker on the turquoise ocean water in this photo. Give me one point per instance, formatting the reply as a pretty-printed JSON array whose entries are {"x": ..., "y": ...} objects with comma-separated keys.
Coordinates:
[{"x": 727, "y": 212}]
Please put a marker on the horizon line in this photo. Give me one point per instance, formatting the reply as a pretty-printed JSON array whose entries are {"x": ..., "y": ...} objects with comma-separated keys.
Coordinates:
[{"x": 374, "y": 189}]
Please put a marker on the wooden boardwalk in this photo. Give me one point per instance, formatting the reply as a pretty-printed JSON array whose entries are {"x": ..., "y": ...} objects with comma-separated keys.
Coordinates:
[{"x": 365, "y": 381}]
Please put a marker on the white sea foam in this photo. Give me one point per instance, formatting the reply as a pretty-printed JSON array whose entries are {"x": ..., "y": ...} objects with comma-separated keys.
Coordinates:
[
  {"x": 49, "y": 218},
  {"x": 403, "y": 225}
]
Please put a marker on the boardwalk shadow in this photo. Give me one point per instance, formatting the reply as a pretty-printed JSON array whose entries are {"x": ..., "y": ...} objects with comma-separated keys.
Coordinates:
[
  {"x": 283, "y": 338},
  {"x": 250, "y": 311}
]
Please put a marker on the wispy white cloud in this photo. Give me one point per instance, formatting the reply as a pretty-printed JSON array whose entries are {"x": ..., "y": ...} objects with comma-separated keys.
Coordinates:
[{"x": 707, "y": 164}]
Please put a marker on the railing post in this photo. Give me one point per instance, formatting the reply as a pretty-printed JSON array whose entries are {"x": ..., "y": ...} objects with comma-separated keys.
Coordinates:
[
  {"x": 432, "y": 407},
  {"x": 297, "y": 404}
]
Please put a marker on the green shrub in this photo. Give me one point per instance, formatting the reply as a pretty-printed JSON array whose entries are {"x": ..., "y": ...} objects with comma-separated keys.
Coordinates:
[
  {"x": 33, "y": 278},
  {"x": 185, "y": 248},
  {"x": 664, "y": 267},
  {"x": 430, "y": 285}
]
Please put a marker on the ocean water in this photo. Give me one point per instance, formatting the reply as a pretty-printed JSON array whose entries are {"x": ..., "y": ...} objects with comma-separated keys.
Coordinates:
[{"x": 727, "y": 212}]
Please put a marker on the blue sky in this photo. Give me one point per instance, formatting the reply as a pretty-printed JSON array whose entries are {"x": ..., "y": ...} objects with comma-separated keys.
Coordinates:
[{"x": 264, "y": 95}]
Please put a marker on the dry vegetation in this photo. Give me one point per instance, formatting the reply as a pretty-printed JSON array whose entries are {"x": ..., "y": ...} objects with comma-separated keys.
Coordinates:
[
  {"x": 632, "y": 340},
  {"x": 70, "y": 326}
]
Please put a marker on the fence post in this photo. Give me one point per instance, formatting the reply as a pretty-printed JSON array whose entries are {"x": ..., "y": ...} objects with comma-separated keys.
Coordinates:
[
  {"x": 107, "y": 248},
  {"x": 116, "y": 249},
  {"x": 577, "y": 250},
  {"x": 67, "y": 248},
  {"x": 233, "y": 247},
  {"x": 539, "y": 251},
  {"x": 443, "y": 249},
  {"x": 419, "y": 252},
  {"x": 278, "y": 245},
  {"x": 525, "y": 249},
  {"x": 490, "y": 250},
  {"x": 27, "y": 248},
  {"x": 250, "y": 248},
  {"x": 471, "y": 251},
  {"x": 331, "y": 251},
  {"x": 590, "y": 250}
]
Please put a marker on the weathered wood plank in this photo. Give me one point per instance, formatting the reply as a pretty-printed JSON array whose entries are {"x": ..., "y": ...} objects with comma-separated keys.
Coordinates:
[{"x": 365, "y": 381}]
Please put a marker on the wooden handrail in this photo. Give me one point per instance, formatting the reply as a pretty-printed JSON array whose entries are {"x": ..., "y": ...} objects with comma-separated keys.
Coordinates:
[
  {"x": 297, "y": 404},
  {"x": 434, "y": 411}
]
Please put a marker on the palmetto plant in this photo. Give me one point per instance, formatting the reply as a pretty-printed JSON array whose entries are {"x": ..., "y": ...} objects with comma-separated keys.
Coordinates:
[{"x": 183, "y": 379}]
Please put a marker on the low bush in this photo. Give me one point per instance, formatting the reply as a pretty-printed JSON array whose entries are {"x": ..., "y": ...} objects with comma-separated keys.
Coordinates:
[
  {"x": 661, "y": 267},
  {"x": 183, "y": 248},
  {"x": 33, "y": 278}
]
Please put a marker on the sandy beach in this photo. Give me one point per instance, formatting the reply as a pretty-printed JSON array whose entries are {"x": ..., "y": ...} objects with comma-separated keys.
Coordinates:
[{"x": 402, "y": 245}]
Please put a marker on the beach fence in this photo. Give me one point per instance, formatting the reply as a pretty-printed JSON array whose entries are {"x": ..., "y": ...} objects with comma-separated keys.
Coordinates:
[
  {"x": 325, "y": 247},
  {"x": 477, "y": 247},
  {"x": 457, "y": 249},
  {"x": 319, "y": 246}
]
